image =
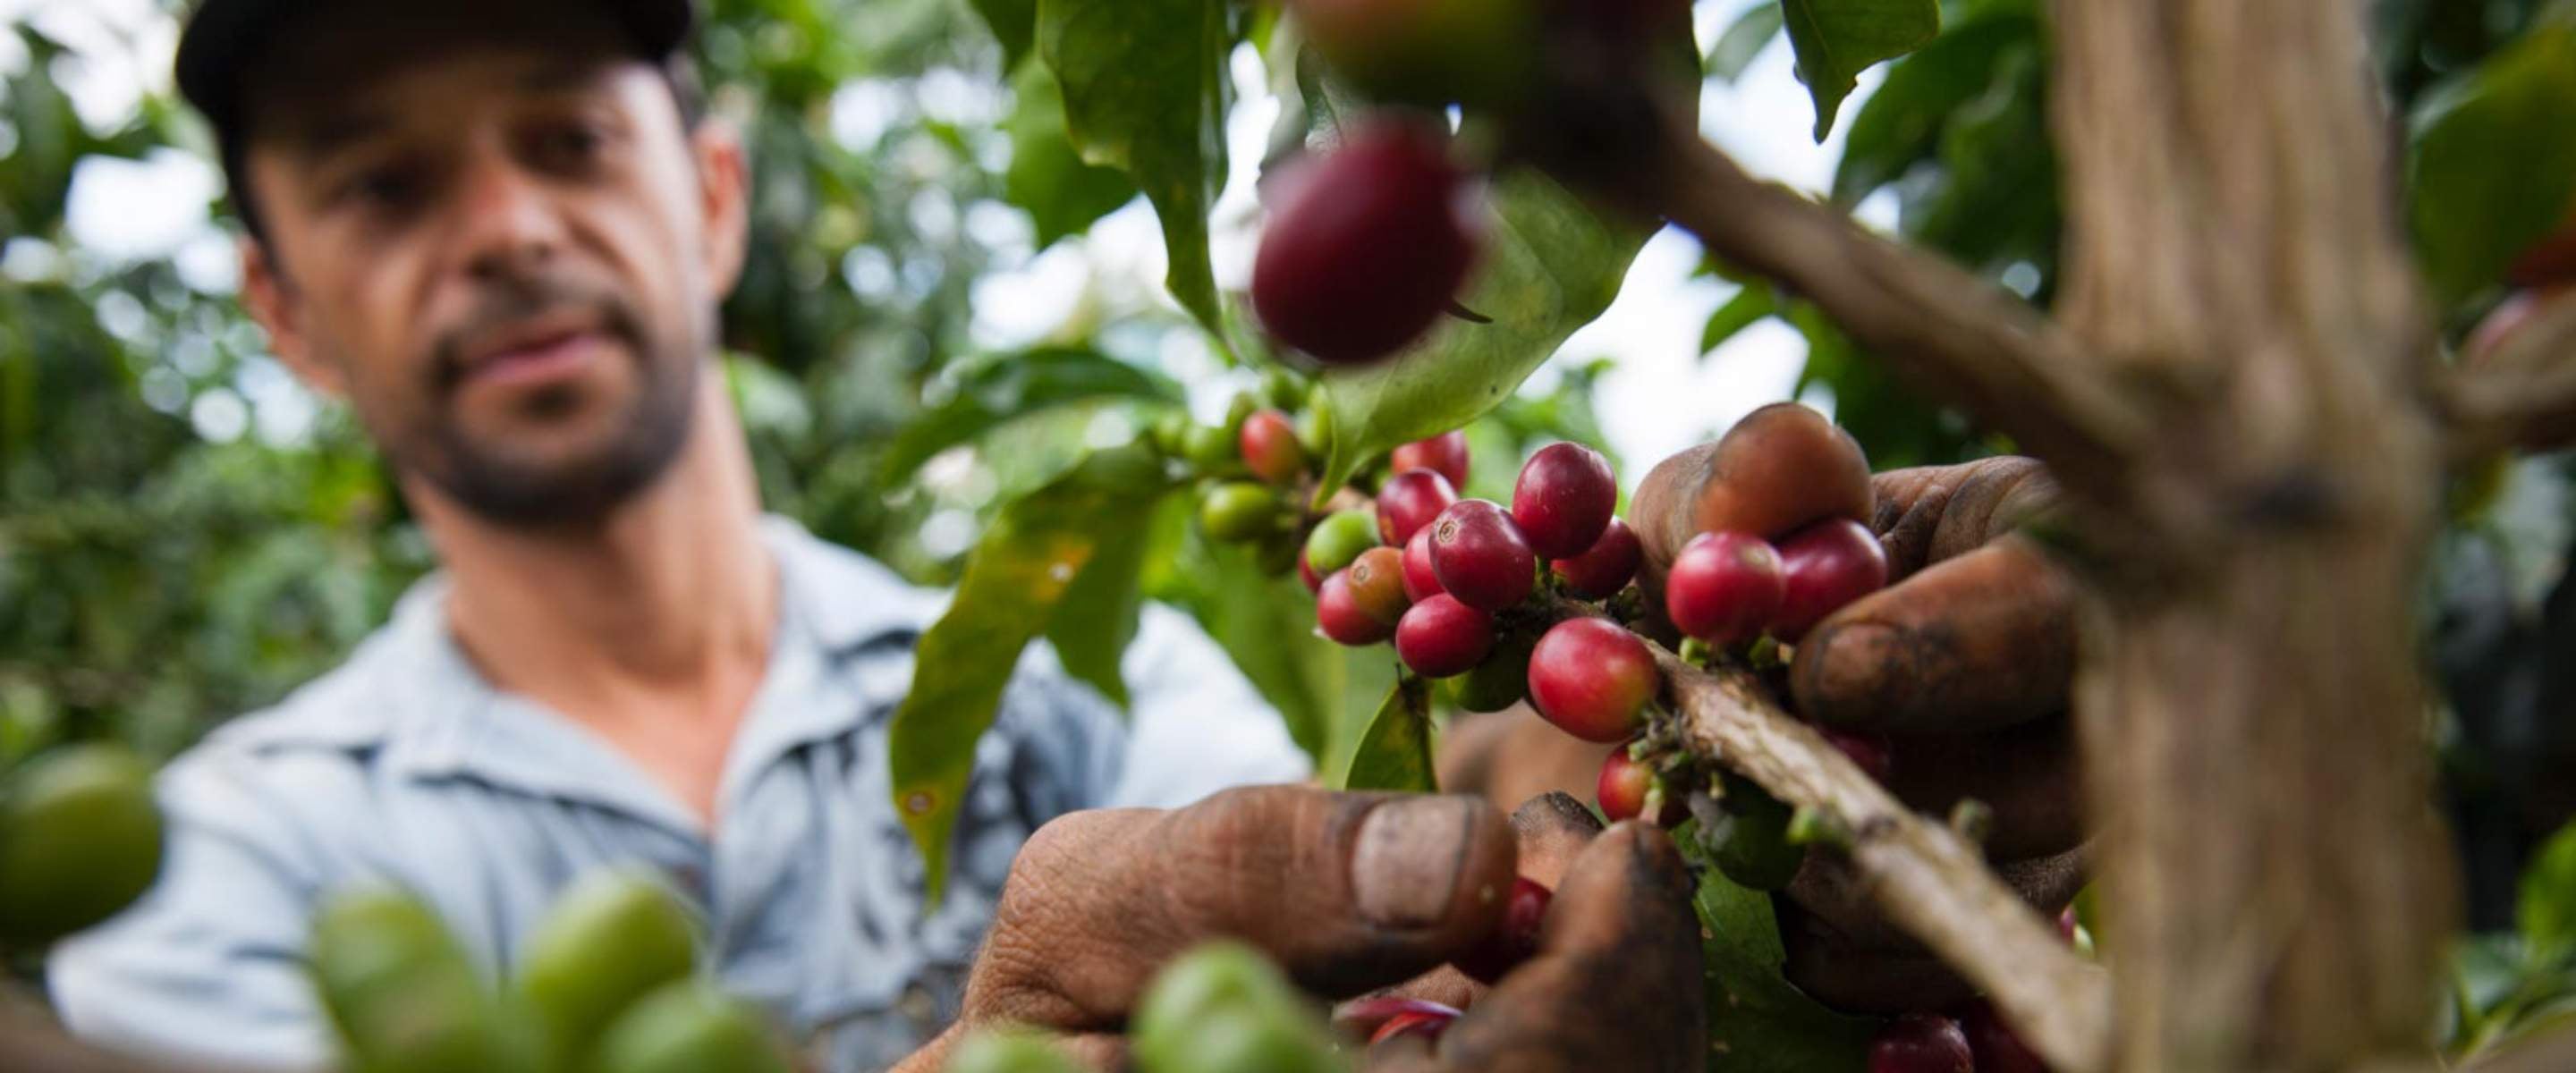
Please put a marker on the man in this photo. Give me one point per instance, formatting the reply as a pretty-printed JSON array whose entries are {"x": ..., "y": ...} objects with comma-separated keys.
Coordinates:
[{"x": 498, "y": 231}]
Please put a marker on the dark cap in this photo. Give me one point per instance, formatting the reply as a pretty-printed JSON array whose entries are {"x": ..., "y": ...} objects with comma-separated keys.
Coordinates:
[{"x": 223, "y": 35}]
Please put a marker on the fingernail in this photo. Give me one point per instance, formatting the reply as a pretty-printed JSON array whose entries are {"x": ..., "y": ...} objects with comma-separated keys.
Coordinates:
[{"x": 1404, "y": 870}]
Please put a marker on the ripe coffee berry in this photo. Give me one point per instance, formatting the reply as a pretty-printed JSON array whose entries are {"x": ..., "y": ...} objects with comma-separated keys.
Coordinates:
[
  {"x": 1364, "y": 1016},
  {"x": 1441, "y": 637},
  {"x": 1623, "y": 787},
  {"x": 1270, "y": 447},
  {"x": 1421, "y": 579},
  {"x": 1992, "y": 1043},
  {"x": 1342, "y": 618},
  {"x": 1445, "y": 454},
  {"x": 1600, "y": 572},
  {"x": 1920, "y": 1043},
  {"x": 1410, "y": 502},
  {"x": 1828, "y": 564},
  {"x": 1515, "y": 939},
  {"x": 1421, "y": 1023},
  {"x": 1339, "y": 539},
  {"x": 1872, "y": 753},
  {"x": 1480, "y": 556},
  {"x": 1725, "y": 587},
  {"x": 1377, "y": 583},
  {"x": 1563, "y": 499},
  {"x": 1240, "y": 511},
  {"x": 1367, "y": 246},
  {"x": 1592, "y": 679}
]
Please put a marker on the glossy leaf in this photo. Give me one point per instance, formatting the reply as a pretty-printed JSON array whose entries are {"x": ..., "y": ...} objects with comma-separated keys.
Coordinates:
[
  {"x": 1062, "y": 193},
  {"x": 1394, "y": 753},
  {"x": 1145, "y": 91},
  {"x": 1098, "y": 617},
  {"x": 1006, "y": 387},
  {"x": 1552, "y": 265},
  {"x": 1838, "y": 39},
  {"x": 1736, "y": 49},
  {"x": 1901, "y": 123},
  {"x": 1014, "y": 24},
  {"x": 2547, "y": 913},
  {"x": 1019, "y": 575},
  {"x": 1748, "y": 308},
  {"x": 2472, "y": 215},
  {"x": 1758, "y": 1022}
]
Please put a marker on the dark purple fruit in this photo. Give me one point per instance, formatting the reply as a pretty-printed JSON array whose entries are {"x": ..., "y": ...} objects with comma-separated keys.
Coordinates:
[
  {"x": 1563, "y": 499},
  {"x": 1480, "y": 556},
  {"x": 1920, "y": 1043},
  {"x": 1368, "y": 245},
  {"x": 1993, "y": 1044},
  {"x": 1441, "y": 637},
  {"x": 1515, "y": 939},
  {"x": 1828, "y": 564},
  {"x": 1411, "y": 501}
]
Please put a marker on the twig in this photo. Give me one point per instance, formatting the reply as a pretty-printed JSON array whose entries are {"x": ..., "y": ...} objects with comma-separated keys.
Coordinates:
[
  {"x": 2523, "y": 397},
  {"x": 1924, "y": 877}
]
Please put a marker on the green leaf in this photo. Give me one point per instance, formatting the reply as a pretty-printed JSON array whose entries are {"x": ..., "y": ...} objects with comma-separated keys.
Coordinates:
[
  {"x": 1551, "y": 266},
  {"x": 1096, "y": 620},
  {"x": 1014, "y": 23},
  {"x": 1266, "y": 623},
  {"x": 1735, "y": 50},
  {"x": 1394, "y": 753},
  {"x": 1145, "y": 92},
  {"x": 2471, "y": 216},
  {"x": 1062, "y": 194},
  {"x": 1018, "y": 575},
  {"x": 1747, "y": 308},
  {"x": 1901, "y": 124},
  {"x": 1757, "y": 1019},
  {"x": 2547, "y": 912},
  {"x": 1838, "y": 39},
  {"x": 1006, "y": 387}
]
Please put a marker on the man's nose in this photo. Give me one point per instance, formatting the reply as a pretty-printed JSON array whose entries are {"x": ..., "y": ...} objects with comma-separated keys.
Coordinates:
[{"x": 507, "y": 221}]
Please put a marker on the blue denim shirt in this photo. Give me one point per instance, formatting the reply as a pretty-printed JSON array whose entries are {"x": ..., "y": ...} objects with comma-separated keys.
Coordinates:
[{"x": 405, "y": 765}]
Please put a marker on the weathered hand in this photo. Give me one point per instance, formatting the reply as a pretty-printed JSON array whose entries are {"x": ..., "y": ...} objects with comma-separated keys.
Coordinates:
[{"x": 1347, "y": 892}]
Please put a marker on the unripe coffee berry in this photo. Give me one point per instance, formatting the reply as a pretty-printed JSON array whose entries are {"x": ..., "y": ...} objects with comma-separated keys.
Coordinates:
[
  {"x": 1827, "y": 565},
  {"x": 1515, "y": 939},
  {"x": 1480, "y": 556},
  {"x": 1592, "y": 679},
  {"x": 1211, "y": 449},
  {"x": 1441, "y": 637},
  {"x": 1604, "y": 569},
  {"x": 1624, "y": 786},
  {"x": 1410, "y": 502},
  {"x": 1367, "y": 246},
  {"x": 1444, "y": 454},
  {"x": 1306, "y": 572},
  {"x": 1377, "y": 583},
  {"x": 1563, "y": 499},
  {"x": 1992, "y": 1044},
  {"x": 1725, "y": 587},
  {"x": 1270, "y": 447},
  {"x": 1421, "y": 579},
  {"x": 1339, "y": 539},
  {"x": 1342, "y": 618},
  {"x": 1920, "y": 1043},
  {"x": 1240, "y": 511}
]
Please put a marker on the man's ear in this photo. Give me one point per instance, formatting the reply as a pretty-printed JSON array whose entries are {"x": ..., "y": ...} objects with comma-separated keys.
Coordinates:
[
  {"x": 272, "y": 301},
  {"x": 724, "y": 193}
]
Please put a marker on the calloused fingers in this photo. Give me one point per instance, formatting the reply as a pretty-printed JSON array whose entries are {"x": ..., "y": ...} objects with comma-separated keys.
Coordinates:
[{"x": 1982, "y": 641}]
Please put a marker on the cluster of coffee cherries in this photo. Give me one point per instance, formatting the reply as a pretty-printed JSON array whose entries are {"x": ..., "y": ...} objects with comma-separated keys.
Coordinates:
[
  {"x": 1973, "y": 1038},
  {"x": 1255, "y": 467}
]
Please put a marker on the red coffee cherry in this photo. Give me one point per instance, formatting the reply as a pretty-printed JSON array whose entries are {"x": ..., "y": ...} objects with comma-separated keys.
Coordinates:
[
  {"x": 1872, "y": 753},
  {"x": 1306, "y": 572},
  {"x": 1377, "y": 584},
  {"x": 1592, "y": 679},
  {"x": 1514, "y": 940},
  {"x": 1410, "y": 502},
  {"x": 1441, "y": 637},
  {"x": 1445, "y": 454},
  {"x": 1270, "y": 447},
  {"x": 1725, "y": 587},
  {"x": 1992, "y": 1043},
  {"x": 1423, "y": 1023},
  {"x": 1341, "y": 616},
  {"x": 1480, "y": 556},
  {"x": 1564, "y": 499},
  {"x": 1604, "y": 569},
  {"x": 1364, "y": 1016},
  {"x": 1828, "y": 564},
  {"x": 1421, "y": 579},
  {"x": 1367, "y": 245},
  {"x": 1622, "y": 789},
  {"x": 1920, "y": 1043}
]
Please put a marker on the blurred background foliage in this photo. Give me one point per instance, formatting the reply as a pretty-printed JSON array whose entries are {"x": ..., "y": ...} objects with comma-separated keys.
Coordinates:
[{"x": 185, "y": 536}]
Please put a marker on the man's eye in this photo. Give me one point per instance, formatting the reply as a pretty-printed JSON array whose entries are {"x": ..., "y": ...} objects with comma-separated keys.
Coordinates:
[
  {"x": 570, "y": 144},
  {"x": 386, "y": 187}
]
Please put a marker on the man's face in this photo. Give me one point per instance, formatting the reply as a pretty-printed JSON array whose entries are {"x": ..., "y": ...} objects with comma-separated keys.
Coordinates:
[{"x": 504, "y": 249}]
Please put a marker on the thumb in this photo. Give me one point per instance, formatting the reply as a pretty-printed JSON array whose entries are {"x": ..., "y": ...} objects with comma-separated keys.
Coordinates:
[{"x": 1346, "y": 891}]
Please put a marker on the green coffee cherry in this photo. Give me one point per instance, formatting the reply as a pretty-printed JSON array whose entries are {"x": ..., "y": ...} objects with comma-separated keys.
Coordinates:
[
  {"x": 613, "y": 938},
  {"x": 1211, "y": 449},
  {"x": 1503, "y": 679},
  {"x": 687, "y": 1027},
  {"x": 1245, "y": 404},
  {"x": 1315, "y": 423},
  {"x": 79, "y": 841},
  {"x": 1223, "y": 1008},
  {"x": 1339, "y": 539},
  {"x": 1170, "y": 434},
  {"x": 1281, "y": 388},
  {"x": 1753, "y": 845},
  {"x": 1009, "y": 1052},
  {"x": 403, "y": 995},
  {"x": 1239, "y": 511},
  {"x": 1244, "y": 1041}
]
